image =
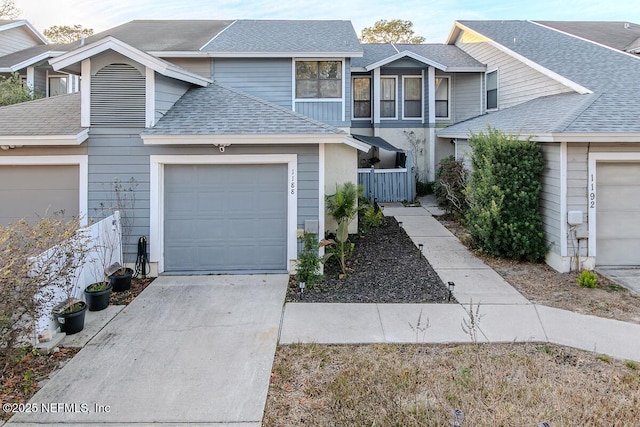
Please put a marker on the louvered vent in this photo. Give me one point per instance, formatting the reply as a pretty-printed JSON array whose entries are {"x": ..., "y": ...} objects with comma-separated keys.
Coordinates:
[{"x": 117, "y": 97}]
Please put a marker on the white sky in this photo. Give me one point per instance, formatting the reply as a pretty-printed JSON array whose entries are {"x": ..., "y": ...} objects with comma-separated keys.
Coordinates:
[{"x": 432, "y": 19}]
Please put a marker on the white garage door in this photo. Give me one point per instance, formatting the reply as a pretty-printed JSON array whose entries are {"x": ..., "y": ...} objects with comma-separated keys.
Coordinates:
[
  {"x": 225, "y": 218},
  {"x": 618, "y": 214},
  {"x": 33, "y": 191}
]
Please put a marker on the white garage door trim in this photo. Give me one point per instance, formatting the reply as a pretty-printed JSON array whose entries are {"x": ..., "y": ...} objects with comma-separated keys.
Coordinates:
[
  {"x": 82, "y": 161},
  {"x": 156, "y": 196},
  {"x": 621, "y": 157}
]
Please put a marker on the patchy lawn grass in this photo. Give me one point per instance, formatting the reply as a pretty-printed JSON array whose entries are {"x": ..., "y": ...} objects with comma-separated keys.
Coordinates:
[
  {"x": 420, "y": 385},
  {"x": 541, "y": 284}
]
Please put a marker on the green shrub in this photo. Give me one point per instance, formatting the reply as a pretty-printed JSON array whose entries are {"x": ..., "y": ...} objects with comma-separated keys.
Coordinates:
[
  {"x": 451, "y": 178},
  {"x": 308, "y": 270},
  {"x": 423, "y": 188},
  {"x": 370, "y": 218},
  {"x": 588, "y": 279},
  {"x": 503, "y": 192},
  {"x": 343, "y": 207}
]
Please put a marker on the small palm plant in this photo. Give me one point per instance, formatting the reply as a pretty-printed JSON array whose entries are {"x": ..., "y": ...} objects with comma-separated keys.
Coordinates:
[{"x": 343, "y": 207}]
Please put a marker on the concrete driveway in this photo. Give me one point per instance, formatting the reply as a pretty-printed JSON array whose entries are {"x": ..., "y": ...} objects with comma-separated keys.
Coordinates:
[{"x": 189, "y": 350}]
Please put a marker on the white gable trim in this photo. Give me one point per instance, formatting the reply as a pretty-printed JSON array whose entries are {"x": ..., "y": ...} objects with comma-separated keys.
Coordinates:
[
  {"x": 551, "y": 74},
  {"x": 28, "y": 62},
  {"x": 30, "y": 27},
  {"x": 156, "y": 197},
  {"x": 406, "y": 54},
  {"x": 111, "y": 43},
  {"x": 45, "y": 140},
  {"x": 83, "y": 165}
]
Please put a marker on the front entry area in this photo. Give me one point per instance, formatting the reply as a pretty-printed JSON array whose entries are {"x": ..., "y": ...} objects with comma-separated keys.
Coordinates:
[{"x": 225, "y": 218}]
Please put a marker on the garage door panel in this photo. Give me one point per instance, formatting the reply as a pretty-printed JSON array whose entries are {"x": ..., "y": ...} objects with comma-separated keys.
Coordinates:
[
  {"x": 617, "y": 213},
  {"x": 238, "y": 215},
  {"x": 33, "y": 191}
]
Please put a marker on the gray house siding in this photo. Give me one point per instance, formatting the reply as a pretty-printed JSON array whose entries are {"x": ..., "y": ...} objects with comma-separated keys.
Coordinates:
[
  {"x": 517, "y": 82},
  {"x": 16, "y": 39},
  {"x": 120, "y": 154},
  {"x": 327, "y": 112},
  {"x": 550, "y": 202},
  {"x": 168, "y": 91},
  {"x": 200, "y": 66},
  {"x": 40, "y": 81},
  {"x": 268, "y": 79},
  {"x": 465, "y": 96}
]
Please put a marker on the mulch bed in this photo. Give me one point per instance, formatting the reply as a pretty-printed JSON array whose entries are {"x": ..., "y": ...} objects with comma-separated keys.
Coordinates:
[
  {"x": 385, "y": 267},
  {"x": 125, "y": 297}
]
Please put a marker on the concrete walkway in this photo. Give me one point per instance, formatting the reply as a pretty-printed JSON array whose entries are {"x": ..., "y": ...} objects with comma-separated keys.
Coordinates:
[
  {"x": 505, "y": 315},
  {"x": 190, "y": 350}
]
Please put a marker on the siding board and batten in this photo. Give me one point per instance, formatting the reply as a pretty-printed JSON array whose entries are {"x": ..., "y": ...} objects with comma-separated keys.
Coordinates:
[
  {"x": 16, "y": 39},
  {"x": 517, "y": 82}
]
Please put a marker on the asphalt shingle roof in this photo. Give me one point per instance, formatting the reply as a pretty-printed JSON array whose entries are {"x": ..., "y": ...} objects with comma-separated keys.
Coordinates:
[
  {"x": 165, "y": 35},
  {"x": 544, "y": 115},
  {"x": 619, "y": 35},
  {"x": 253, "y": 36},
  {"x": 42, "y": 117},
  {"x": 448, "y": 55},
  {"x": 613, "y": 76},
  {"x": 16, "y": 58},
  {"x": 221, "y": 110}
]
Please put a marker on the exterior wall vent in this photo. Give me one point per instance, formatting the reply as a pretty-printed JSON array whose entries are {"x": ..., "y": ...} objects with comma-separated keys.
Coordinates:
[{"x": 118, "y": 97}]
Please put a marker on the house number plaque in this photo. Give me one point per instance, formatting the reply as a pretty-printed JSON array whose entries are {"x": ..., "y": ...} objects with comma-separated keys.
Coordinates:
[
  {"x": 292, "y": 182},
  {"x": 592, "y": 192}
]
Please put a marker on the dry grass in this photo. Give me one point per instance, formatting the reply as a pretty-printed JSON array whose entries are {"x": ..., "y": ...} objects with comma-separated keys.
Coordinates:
[
  {"x": 420, "y": 385},
  {"x": 541, "y": 284}
]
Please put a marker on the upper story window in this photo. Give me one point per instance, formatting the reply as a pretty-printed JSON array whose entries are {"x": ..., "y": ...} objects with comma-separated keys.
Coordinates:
[
  {"x": 412, "y": 97},
  {"x": 318, "y": 79},
  {"x": 388, "y": 97},
  {"x": 57, "y": 86},
  {"x": 492, "y": 90},
  {"x": 362, "y": 97},
  {"x": 442, "y": 97}
]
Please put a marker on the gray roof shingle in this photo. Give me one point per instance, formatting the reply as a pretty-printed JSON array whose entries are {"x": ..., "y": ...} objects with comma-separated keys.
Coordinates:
[
  {"x": 221, "y": 110},
  {"x": 619, "y": 35},
  {"x": 447, "y": 55},
  {"x": 544, "y": 115},
  {"x": 42, "y": 117},
  {"x": 267, "y": 36},
  {"x": 165, "y": 35},
  {"x": 613, "y": 76}
]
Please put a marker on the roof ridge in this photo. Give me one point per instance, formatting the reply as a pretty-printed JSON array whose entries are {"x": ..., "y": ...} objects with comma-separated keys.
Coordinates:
[
  {"x": 216, "y": 36},
  {"x": 577, "y": 112}
]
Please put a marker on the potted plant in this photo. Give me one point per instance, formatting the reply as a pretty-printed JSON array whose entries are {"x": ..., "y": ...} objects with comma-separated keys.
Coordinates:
[
  {"x": 120, "y": 278},
  {"x": 97, "y": 295},
  {"x": 58, "y": 269}
]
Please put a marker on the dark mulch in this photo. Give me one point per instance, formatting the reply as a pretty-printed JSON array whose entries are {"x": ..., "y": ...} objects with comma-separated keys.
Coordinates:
[
  {"x": 125, "y": 297},
  {"x": 385, "y": 267}
]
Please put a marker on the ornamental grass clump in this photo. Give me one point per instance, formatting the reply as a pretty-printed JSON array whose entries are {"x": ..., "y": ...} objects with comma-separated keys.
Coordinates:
[{"x": 588, "y": 279}]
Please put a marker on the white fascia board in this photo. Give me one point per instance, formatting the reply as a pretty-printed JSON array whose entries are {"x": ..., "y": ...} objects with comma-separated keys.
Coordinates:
[
  {"x": 408, "y": 54},
  {"x": 25, "y": 23},
  {"x": 286, "y": 54},
  {"x": 46, "y": 140},
  {"x": 481, "y": 69},
  {"x": 111, "y": 43},
  {"x": 246, "y": 139},
  {"x": 547, "y": 72},
  {"x": 453, "y": 34},
  {"x": 588, "y": 137}
]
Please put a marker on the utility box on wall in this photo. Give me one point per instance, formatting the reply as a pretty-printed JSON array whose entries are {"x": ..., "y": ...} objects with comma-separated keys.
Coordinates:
[{"x": 574, "y": 217}]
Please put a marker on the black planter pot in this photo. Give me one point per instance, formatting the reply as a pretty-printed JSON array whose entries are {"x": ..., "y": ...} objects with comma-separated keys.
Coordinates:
[
  {"x": 121, "y": 282},
  {"x": 97, "y": 300},
  {"x": 71, "y": 323}
]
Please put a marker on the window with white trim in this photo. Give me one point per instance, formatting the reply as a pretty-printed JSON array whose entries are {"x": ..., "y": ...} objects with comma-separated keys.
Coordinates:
[
  {"x": 412, "y": 95},
  {"x": 318, "y": 79},
  {"x": 362, "y": 97},
  {"x": 492, "y": 90},
  {"x": 57, "y": 86},
  {"x": 388, "y": 97},
  {"x": 442, "y": 97}
]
